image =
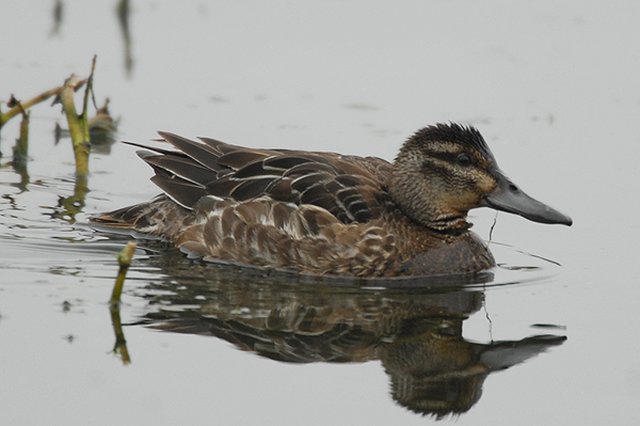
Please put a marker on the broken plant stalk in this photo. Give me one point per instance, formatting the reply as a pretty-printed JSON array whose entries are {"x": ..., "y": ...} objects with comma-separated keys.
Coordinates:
[
  {"x": 17, "y": 109},
  {"x": 78, "y": 125},
  {"x": 124, "y": 261}
]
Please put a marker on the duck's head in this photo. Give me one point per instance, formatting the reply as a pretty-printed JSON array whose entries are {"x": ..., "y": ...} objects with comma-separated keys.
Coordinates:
[{"x": 444, "y": 170}]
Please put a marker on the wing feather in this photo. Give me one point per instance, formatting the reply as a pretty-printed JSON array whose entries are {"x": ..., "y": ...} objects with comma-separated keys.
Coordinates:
[{"x": 352, "y": 189}]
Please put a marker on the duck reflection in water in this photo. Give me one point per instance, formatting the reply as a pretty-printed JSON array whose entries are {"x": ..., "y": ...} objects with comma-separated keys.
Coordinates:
[{"x": 416, "y": 332}]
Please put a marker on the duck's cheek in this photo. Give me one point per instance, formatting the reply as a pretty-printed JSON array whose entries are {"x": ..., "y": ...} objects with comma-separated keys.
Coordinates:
[
  {"x": 460, "y": 203},
  {"x": 470, "y": 201},
  {"x": 485, "y": 185}
]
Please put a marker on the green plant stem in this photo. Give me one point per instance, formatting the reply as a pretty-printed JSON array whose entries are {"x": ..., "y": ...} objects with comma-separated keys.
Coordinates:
[
  {"x": 78, "y": 125},
  {"x": 124, "y": 260}
]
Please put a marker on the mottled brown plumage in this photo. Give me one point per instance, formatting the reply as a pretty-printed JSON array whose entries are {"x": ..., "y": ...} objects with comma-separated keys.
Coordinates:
[{"x": 326, "y": 213}]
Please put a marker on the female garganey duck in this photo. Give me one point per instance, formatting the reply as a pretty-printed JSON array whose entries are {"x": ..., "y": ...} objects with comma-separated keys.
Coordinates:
[{"x": 326, "y": 213}]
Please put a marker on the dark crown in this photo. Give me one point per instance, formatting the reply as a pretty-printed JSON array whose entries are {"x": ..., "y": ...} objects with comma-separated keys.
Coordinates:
[{"x": 452, "y": 132}]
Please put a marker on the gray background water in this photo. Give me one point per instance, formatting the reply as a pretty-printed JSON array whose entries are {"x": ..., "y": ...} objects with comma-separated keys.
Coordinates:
[{"x": 553, "y": 86}]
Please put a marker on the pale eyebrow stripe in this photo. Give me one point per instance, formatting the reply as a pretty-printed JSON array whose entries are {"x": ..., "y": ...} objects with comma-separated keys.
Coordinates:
[{"x": 447, "y": 148}]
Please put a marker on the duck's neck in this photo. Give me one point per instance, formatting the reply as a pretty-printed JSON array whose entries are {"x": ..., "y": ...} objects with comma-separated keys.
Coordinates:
[
  {"x": 425, "y": 205},
  {"x": 450, "y": 225}
]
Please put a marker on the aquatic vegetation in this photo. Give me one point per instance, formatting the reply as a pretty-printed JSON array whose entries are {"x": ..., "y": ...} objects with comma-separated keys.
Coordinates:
[{"x": 82, "y": 128}]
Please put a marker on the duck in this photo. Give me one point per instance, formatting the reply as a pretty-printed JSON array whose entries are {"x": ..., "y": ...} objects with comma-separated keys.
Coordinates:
[{"x": 324, "y": 213}]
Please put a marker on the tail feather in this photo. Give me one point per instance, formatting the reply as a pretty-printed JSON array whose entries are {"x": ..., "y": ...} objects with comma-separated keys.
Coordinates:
[
  {"x": 131, "y": 217},
  {"x": 159, "y": 218}
]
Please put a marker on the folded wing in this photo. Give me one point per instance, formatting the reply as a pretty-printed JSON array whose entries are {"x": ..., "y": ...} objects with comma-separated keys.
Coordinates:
[{"x": 348, "y": 187}]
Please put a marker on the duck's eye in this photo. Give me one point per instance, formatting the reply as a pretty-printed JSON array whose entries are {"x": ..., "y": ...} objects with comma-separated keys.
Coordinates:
[{"x": 463, "y": 159}]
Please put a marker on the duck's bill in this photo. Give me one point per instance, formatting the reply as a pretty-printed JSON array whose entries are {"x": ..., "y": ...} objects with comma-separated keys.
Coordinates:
[{"x": 510, "y": 198}]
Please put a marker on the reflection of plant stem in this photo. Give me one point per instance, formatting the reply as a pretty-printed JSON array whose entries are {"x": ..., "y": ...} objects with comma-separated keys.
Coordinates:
[
  {"x": 21, "y": 152},
  {"x": 58, "y": 9},
  {"x": 70, "y": 206},
  {"x": 21, "y": 148},
  {"x": 123, "y": 11},
  {"x": 124, "y": 261},
  {"x": 120, "y": 346}
]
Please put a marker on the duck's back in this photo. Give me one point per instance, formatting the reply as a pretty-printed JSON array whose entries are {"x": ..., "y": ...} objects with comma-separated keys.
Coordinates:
[{"x": 348, "y": 187}]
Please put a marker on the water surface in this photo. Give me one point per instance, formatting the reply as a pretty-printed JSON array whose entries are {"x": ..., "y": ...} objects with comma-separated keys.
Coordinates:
[{"x": 552, "y": 87}]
